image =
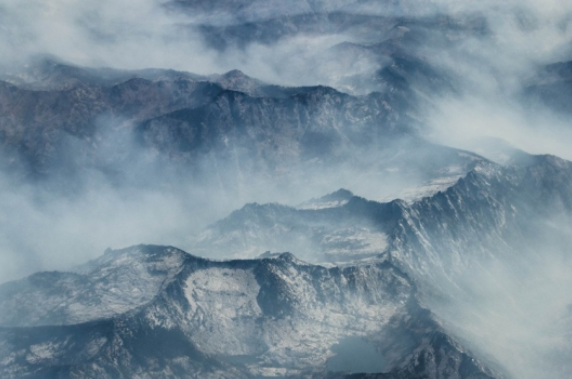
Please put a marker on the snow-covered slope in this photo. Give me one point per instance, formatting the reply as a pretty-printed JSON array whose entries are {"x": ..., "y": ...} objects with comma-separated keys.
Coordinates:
[{"x": 112, "y": 284}]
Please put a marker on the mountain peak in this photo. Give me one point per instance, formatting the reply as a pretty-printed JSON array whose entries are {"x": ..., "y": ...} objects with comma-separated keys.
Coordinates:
[
  {"x": 341, "y": 194},
  {"x": 236, "y": 80},
  {"x": 236, "y": 74}
]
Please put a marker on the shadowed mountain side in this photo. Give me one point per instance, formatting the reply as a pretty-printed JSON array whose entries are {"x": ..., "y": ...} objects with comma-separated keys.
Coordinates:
[
  {"x": 176, "y": 122},
  {"x": 320, "y": 122}
]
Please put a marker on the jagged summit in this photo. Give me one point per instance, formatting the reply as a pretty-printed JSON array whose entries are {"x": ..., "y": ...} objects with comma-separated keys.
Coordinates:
[{"x": 285, "y": 257}]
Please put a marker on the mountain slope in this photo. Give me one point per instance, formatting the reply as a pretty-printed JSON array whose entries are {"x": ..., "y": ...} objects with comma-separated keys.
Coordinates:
[
  {"x": 115, "y": 283},
  {"x": 274, "y": 317}
]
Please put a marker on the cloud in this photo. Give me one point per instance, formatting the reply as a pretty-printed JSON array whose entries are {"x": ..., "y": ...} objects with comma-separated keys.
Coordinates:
[
  {"x": 126, "y": 33},
  {"x": 517, "y": 313},
  {"x": 491, "y": 72},
  {"x": 462, "y": 122},
  {"x": 45, "y": 231}
]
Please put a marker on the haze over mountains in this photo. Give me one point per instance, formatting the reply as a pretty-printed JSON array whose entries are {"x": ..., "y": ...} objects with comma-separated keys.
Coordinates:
[{"x": 390, "y": 179}]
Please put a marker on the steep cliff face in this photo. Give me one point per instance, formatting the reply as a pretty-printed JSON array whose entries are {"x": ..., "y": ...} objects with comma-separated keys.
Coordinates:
[
  {"x": 500, "y": 213},
  {"x": 273, "y": 317}
]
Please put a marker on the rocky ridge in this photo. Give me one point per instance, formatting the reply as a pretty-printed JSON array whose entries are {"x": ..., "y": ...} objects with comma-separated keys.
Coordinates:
[{"x": 272, "y": 317}]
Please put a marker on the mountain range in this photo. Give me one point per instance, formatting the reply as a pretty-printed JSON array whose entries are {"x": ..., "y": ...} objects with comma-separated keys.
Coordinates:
[{"x": 360, "y": 236}]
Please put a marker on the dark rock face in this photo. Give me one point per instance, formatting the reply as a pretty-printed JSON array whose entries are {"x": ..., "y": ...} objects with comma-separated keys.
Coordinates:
[
  {"x": 437, "y": 357},
  {"x": 37, "y": 124},
  {"x": 319, "y": 122}
]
